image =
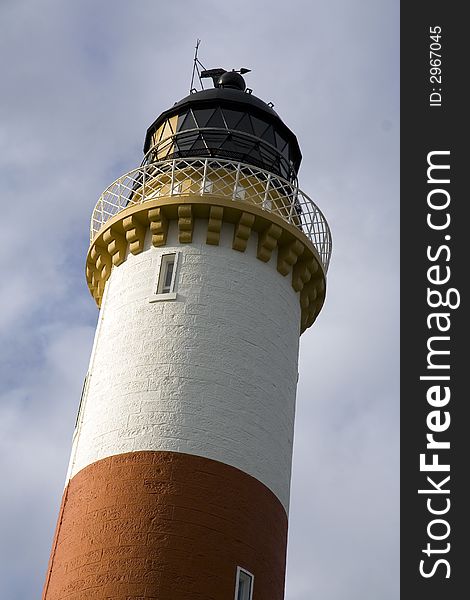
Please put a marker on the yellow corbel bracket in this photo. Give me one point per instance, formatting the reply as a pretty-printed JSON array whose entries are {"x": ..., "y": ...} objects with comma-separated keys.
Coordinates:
[
  {"x": 267, "y": 241},
  {"x": 302, "y": 273},
  {"x": 158, "y": 226},
  {"x": 135, "y": 233},
  {"x": 288, "y": 255},
  {"x": 117, "y": 245},
  {"x": 242, "y": 231},
  {"x": 214, "y": 225},
  {"x": 185, "y": 223}
]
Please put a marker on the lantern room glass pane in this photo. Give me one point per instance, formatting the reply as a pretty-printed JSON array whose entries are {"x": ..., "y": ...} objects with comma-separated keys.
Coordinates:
[
  {"x": 187, "y": 123},
  {"x": 268, "y": 136},
  {"x": 245, "y": 125},
  {"x": 185, "y": 141},
  {"x": 280, "y": 141},
  {"x": 259, "y": 126},
  {"x": 202, "y": 116},
  {"x": 216, "y": 120},
  {"x": 232, "y": 117},
  {"x": 181, "y": 119}
]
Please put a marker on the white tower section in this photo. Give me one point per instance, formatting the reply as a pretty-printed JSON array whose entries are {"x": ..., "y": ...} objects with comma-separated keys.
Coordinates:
[{"x": 212, "y": 372}]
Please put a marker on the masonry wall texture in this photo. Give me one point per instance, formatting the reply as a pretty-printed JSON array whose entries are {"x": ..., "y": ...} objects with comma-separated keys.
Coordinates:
[
  {"x": 164, "y": 525},
  {"x": 211, "y": 374}
]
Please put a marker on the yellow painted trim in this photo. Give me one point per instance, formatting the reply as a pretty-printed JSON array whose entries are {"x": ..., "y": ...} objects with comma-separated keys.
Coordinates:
[{"x": 126, "y": 232}]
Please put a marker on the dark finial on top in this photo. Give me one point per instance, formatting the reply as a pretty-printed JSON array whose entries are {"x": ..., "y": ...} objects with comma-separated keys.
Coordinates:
[
  {"x": 227, "y": 79},
  {"x": 232, "y": 79}
]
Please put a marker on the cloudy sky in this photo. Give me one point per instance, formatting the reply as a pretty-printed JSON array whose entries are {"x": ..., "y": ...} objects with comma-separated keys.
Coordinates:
[{"x": 81, "y": 82}]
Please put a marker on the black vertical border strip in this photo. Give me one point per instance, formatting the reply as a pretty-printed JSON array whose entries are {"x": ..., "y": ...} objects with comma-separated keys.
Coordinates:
[{"x": 425, "y": 129}]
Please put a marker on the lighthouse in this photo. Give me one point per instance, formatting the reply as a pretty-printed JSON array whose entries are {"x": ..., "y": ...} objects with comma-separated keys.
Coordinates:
[{"x": 207, "y": 263}]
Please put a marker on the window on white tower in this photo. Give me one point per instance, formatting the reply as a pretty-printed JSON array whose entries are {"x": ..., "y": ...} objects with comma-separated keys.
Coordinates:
[
  {"x": 165, "y": 283},
  {"x": 166, "y": 277},
  {"x": 82, "y": 401},
  {"x": 244, "y": 585}
]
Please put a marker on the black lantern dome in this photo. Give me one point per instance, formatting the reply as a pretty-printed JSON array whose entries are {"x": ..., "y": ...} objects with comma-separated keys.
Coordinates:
[{"x": 225, "y": 122}]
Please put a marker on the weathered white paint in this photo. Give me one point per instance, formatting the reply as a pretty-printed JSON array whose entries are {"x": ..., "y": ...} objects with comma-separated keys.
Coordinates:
[{"x": 212, "y": 373}]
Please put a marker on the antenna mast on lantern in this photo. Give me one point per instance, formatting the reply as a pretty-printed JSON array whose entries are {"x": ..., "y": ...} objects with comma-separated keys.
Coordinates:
[{"x": 196, "y": 64}]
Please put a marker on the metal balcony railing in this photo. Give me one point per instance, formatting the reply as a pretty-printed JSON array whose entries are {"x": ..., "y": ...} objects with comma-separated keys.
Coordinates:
[{"x": 216, "y": 177}]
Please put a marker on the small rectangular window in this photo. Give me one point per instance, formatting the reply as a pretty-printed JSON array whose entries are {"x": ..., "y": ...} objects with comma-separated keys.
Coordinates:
[
  {"x": 267, "y": 204},
  {"x": 165, "y": 284},
  {"x": 82, "y": 398},
  {"x": 166, "y": 277},
  {"x": 207, "y": 186},
  {"x": 239, "y": 192},
  {"x": 244, "y": 585}
]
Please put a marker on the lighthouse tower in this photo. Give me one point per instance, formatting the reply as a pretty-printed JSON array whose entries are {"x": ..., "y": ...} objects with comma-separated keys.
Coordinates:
[{"x": 207, "y": 263}]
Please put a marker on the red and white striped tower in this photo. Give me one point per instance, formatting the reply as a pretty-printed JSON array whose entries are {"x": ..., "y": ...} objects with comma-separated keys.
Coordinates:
[{"x": 207, "y": 262}]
